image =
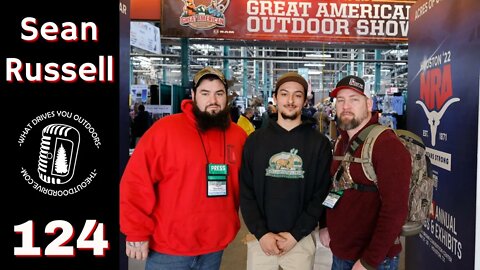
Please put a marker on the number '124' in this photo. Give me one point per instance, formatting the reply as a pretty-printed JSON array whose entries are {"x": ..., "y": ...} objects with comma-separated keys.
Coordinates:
[{"x": 58, "y": 246}]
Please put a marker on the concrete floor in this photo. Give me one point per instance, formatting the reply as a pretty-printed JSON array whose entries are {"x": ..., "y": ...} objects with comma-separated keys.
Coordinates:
[{"x": 235, "y": 256}]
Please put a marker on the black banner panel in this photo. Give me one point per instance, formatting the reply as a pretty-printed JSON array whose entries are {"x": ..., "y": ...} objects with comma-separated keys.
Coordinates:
[{"x": 61, "y": 133}]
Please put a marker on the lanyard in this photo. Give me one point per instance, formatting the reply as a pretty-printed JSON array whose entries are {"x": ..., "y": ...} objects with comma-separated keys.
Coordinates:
[{"x": 224, "y": 147}]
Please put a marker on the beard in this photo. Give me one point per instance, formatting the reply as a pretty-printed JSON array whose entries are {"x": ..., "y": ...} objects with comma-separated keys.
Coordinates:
[
  {"x": 290, "y": 117},
  {"x": 206, "y": 120},
  {"x": 352, "y": 123}
]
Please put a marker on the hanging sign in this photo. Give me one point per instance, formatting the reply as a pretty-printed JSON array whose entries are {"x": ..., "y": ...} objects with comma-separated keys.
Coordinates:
[{"x": 359, "y": 21}]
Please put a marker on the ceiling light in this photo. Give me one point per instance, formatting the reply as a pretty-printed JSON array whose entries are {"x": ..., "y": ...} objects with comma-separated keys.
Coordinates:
[
  {"x": 319, "y": 55},
  {"x": 314, "y": 65}
]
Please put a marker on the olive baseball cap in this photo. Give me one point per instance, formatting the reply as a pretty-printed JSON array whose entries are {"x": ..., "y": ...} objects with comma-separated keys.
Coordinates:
[
  {"x": 292, "y": 77},
  {"x": 209, "y": 71}
]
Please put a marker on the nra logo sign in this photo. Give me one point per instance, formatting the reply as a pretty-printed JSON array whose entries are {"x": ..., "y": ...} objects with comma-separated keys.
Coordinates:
[{"x": 436, "y": 93}]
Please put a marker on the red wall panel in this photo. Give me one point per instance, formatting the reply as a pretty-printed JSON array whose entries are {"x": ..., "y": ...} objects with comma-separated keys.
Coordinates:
[{"x": 145, "y": 10}]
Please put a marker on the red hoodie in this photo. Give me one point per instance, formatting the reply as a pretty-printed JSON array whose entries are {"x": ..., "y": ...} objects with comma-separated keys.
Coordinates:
[{"x": 163, "y": 191}]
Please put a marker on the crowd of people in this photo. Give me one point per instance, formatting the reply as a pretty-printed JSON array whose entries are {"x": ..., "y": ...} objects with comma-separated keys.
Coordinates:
[{"x": 192, "y": 172}]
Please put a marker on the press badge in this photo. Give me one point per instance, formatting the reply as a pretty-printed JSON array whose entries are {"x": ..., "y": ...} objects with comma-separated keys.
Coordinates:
[
  {"x": 217, "y": 180},
  {"x": 332, "y": 198}
]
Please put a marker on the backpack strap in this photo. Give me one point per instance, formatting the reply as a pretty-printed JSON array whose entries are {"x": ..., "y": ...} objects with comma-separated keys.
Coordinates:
[
  {"x": 372, "y": 130},
  {"x": 367, "y": 150},
  {"x": 353, "y": 146},
  {"x": 367, "y": 138},
  {"x": 360, "y": 139},
  {"x": 349, "y": 158}
]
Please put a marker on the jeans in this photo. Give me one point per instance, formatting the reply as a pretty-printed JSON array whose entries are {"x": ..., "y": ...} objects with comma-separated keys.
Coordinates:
[
  {"x": 387, "y": 264},
  {"x": 159, "y": 261}
]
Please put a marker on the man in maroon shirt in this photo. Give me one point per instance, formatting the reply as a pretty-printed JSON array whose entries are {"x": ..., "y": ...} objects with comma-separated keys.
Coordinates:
[{"x": 364, "y": 222}]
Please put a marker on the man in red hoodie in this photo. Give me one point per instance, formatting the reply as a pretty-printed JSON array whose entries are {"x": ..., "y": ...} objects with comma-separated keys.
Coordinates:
[
  {"x": 179, "y": 194},
  {"x": 364, "y": 220}
]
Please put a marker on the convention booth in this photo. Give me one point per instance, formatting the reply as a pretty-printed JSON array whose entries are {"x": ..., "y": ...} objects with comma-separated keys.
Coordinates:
[{"x": 443, "y": 100}]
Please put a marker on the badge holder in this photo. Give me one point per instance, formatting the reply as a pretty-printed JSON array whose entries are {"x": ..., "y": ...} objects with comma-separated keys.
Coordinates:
[
  {"x": 217, "y": 180},
  {"x": 332, "y": 198}
]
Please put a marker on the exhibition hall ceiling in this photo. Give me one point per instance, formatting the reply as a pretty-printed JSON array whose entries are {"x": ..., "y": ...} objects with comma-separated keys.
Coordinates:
[{"x": 258, "y": 64}]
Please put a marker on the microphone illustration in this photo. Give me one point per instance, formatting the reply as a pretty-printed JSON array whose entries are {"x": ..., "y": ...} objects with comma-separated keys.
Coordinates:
[{"x": 58, "y": 153}]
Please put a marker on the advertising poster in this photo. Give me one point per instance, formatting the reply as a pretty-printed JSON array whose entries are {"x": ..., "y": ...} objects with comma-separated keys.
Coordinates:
[
  {"x": 61, "y": 89},
  {"x": 358, "y": 21},
  {"x": 443, "y": 108},
  {"x": 145, "y": 36}
]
